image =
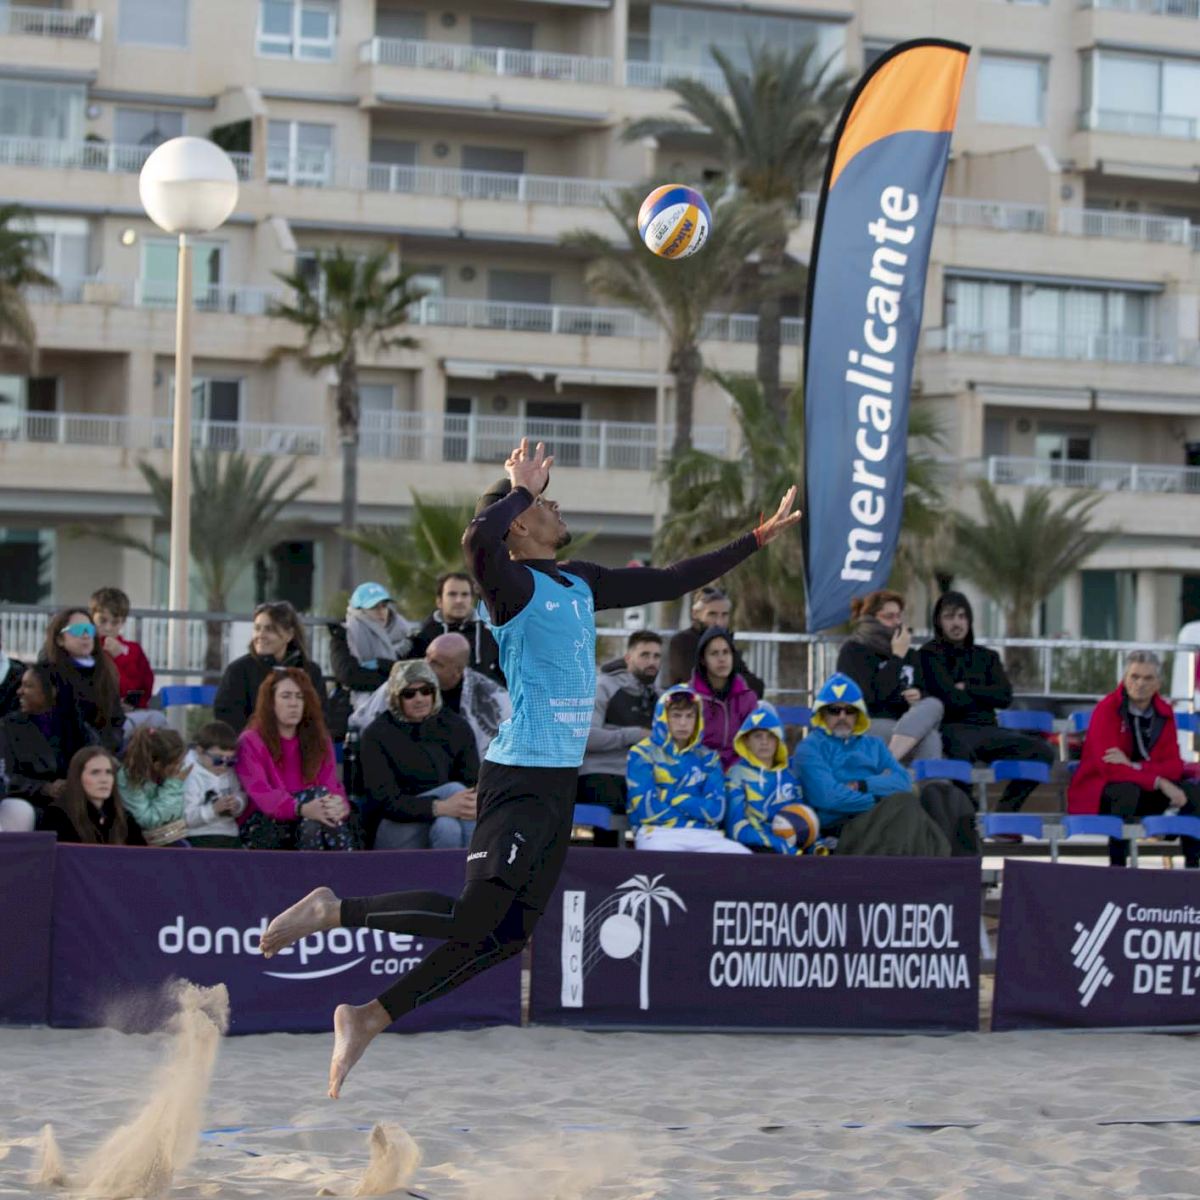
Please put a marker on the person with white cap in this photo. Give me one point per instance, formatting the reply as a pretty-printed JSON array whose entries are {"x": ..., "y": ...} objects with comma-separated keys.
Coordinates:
[{"x": 375, "y": 636}]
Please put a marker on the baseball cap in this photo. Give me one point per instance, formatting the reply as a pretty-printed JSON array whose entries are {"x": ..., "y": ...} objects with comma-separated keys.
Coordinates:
[{"x": 367, "y": 595}]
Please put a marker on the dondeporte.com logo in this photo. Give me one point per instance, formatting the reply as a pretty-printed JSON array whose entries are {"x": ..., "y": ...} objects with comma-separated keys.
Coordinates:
[
  {"x": 619, "y": 927},
  {"x": 316, "y": 956},
  {"x": 1087, "y": 956}
]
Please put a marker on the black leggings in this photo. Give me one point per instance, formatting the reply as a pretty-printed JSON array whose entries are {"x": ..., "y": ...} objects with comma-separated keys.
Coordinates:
[
  {"x": 483, "y": 927},
  {"x": 1129, "y": 801}
]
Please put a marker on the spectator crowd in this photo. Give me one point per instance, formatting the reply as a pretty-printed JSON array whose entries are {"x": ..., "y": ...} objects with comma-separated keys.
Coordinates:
[{"x": 682, "y": 742}]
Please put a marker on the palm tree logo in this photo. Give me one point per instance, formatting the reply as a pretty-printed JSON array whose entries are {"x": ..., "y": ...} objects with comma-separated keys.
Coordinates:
[{"x": 621, "y": 936}]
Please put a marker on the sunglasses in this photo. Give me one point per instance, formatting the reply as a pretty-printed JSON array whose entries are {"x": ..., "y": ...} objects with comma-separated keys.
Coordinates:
[
  {"x": 222, "y": 760},
  {"x": 840, "y": 710},
  {"x": 422, "y": 689},
  {"x": 81, "y": 629}
]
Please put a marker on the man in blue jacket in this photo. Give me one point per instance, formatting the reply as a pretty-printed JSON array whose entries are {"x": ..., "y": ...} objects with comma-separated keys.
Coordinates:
[{"x": 846, "y": 773}]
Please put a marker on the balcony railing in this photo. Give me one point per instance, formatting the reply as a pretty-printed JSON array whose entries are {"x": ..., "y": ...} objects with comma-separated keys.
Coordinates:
[
  {"x": 155, "y": 433},
  {"x": 1141, "y": 227},
  {"x": 452, "y": 437},
  {"x": 583, "y": 320},
  {"x": 485, "y": 60},
  {"x": 659, "y": 74},
  {"x": 50, "y": 22},
  {"x": 88, "y": 156},
  {"x": 240, "y": 298},
  {"x": 992, "y": 214},
  {"x": 1100, "y": 476},
  {"x": 1153, "y": 8},
  {"x": 1111, "y": 120},
  {"x": 476, "y": 185},
  {"x": 1036, "y": 343}
]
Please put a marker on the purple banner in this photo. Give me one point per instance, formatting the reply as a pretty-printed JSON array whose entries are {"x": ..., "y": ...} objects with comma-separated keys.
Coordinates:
[
  {"x": 650, "y": 939},
  {"x": 1092, "y": 947},
  {"x": 127, "y": 920},
  {"x": 26, "y": 889}
]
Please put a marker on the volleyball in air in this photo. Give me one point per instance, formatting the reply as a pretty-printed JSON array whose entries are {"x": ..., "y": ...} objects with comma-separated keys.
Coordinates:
[
  {"x": 674, "y": 221},
  {"x": 797, "y": 824}
]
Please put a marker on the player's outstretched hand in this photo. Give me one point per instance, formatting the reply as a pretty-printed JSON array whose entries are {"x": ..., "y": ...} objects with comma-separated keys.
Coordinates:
[
  {"x": 783, "y": 519},
  {"x": 530, "y": 471}
]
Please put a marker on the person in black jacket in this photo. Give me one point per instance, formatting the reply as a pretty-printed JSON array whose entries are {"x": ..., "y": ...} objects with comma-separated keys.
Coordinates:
[
  {"x": 11, "y": 670},
  {"x": 36, "y": 746},
  {"x": 880, "y": 658},
  {"x": 711, "y": 609},
  {"x": 420, "y": 766},
  {"x": 86, "y": 682},
  {"x": 455, "y": 613},
  {"x": 277, "y": 641},
  {"x": 971, "y": 683},
  {"x": 90, "y": 809}
]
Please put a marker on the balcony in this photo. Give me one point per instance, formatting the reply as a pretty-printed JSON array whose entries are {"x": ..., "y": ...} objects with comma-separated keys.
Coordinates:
[
  {"x": 1111, "y": 120},
  {"x": 50, "y": 23},
  {"x": 1098, "y": 476},
  {"x": 244, "y": 299},
  {"x": 104, "y": 157},
  {"x": 155, "y": 433},
  {"x": 562, "y": 190},
  {"x": 645, "y": 74},
  {"x": 1149, "y": 8},
  {"x": 485, "y": 60},
  {"x": 462, "y": 438},
  {"x": 583, "y": 320},
  {"x": 1140, "y": 227},
  {"x": 992, "y": 214},
  {"x": 1050, "y": 344}
]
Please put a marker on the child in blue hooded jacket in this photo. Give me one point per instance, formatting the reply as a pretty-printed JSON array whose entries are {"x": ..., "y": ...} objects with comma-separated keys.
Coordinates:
[
  {"x": 675, "y": 784},
  {"x": 760, "y": 783}
]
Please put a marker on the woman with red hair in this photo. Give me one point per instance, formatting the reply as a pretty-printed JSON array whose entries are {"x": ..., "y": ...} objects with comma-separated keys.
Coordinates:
[{"x": 286, "y": 767}]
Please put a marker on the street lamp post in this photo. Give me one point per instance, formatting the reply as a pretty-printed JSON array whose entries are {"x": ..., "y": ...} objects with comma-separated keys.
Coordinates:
[{"x": 187, "y": 186}]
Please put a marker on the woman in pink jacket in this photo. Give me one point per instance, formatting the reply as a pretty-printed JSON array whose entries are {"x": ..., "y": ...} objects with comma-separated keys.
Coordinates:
[
  {"x": 725, "y": 695},
  {"x": 287, "y": 770}
]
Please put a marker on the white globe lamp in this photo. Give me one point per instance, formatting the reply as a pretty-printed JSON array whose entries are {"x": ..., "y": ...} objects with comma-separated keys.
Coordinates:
[{"x": 187, "y": 186}]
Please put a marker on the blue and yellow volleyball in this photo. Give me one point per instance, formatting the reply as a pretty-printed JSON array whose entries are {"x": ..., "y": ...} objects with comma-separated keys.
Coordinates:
[
  {"x": 674, "y": 221},
  {"x": 797, "y": 824}
]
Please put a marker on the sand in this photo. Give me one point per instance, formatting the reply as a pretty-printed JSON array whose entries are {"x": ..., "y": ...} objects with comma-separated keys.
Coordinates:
[{"x": 547, "y": 1114}]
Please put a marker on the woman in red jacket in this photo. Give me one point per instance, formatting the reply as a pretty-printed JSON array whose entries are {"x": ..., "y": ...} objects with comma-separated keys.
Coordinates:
[{"x": 1130, "y": 766}]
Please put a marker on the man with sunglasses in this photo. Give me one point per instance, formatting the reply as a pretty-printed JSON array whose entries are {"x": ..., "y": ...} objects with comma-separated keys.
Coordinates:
[{"x": 542, "y": 615}]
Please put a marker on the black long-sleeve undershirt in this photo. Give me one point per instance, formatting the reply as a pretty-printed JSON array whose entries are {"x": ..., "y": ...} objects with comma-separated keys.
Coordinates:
[{"x": 507, "y": 587}]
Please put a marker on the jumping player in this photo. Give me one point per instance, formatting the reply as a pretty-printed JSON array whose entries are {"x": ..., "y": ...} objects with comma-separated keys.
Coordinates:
[{"x": 543, "y": 616}]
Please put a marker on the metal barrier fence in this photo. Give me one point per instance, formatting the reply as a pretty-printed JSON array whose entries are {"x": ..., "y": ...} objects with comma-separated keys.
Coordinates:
[{"x": 792, "y": 665}]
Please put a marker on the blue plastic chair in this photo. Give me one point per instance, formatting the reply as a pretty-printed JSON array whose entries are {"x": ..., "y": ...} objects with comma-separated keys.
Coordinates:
[
  {"x": 1014, "y": 768},
  {"x": 1187, "y": 722},
  {"x": 942, "y": 768},
  {"x": 1078, "y": 722},
  {"x": 1177, "y": 826},
  {"x": 187, "y": 693},
  {"x": 1026, "y": 720},
  {"x": 1075, "y": 824},
  {"x": 795, "y": 714},
  {"x": 1007, "y": 824},
  {"x": 596, "y": 816}
]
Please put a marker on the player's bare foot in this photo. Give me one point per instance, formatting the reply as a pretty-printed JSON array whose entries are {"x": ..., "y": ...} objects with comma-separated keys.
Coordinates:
[
  {"x": 354, "y": 1028},
  {"x": 320, "y": 909}
]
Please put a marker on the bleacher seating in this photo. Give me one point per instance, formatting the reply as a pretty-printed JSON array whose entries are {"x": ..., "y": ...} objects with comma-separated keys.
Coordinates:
[
  {"x": 596, "y": 816},
  {"x": 175, "y": 694},
  {"x": 1026, "y": 720}
]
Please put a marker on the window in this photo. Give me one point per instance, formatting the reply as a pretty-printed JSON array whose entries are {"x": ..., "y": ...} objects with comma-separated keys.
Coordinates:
[
  {"x": 377, "y": 402},
  {"x": 523, "y": 300},
  {"x": 400, "y": 23},
  {"x": 457, "y": 434},
  {"x": 1037, "y": 319},
  {"x": 160, "y": 273},
  {"x": 874, "y": 50},
  {"x": 24, "y": 404},
  {"x": 1011, "y": 91},
  {"x": 1067, "y": 451},
  {"x": 216, "y": 412},
  {"x": 512, "y": 35},
  {"x": 41, "y": 110},
  {"x": 153, "y": 22},
  {"x": 26, "y": 565},
  {"x": 299, "y": 152},
  {"x": 1141, "y": 94},
  {"x": 64, "y": 253},
  {"x": 501, "y": 169},
  {"x": 297, "y": 29},
  {"x": 146, "y": 126},
  {"x": 558, "y": 424}
]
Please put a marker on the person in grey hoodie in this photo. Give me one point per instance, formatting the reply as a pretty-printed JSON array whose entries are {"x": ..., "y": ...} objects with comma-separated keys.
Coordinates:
[{"x": 622, "y": 716}]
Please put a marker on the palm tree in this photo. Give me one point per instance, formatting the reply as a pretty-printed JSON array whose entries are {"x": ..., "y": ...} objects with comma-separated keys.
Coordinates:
[
  {"x": 678, "y": 294},
  {"x": 1018, "y": 559},
  {"x": 235, "y": 519},
  {"x": 641, "y": 895},
  {"x": 715, "y": 499},
  {"x": 413, "y": 556},
  {"x": 771, "y": 130},
  {"x": 19, "y": 251},
  {"x": 348, "y": 312}
]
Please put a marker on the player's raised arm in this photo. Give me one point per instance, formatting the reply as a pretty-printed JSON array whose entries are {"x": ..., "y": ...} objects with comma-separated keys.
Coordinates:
[{"x": 626, "y": 587}]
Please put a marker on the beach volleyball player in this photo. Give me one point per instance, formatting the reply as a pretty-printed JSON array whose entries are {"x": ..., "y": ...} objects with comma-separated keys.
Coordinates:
[{"x": 542, "y": 614}]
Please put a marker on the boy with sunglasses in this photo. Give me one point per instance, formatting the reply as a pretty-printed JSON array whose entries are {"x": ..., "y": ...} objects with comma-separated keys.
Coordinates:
[
  {"x": 212, "y": 796},
  {"x": 542, "y": 614}
]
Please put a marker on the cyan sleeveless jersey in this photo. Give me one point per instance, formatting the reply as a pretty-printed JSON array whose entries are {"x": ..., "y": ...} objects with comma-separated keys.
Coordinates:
[{"x": 548, "y": 655}]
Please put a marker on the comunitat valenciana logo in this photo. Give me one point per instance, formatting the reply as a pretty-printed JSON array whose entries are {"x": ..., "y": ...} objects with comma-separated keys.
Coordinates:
[{"x": 313, "y": 957}]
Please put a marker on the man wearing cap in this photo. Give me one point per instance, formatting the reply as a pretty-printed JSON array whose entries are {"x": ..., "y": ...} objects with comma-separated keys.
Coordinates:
[{"x": 543, "y": 617}]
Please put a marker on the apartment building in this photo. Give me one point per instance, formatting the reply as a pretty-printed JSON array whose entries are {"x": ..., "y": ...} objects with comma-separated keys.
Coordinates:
[{"x": 1062, "y": 313}]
